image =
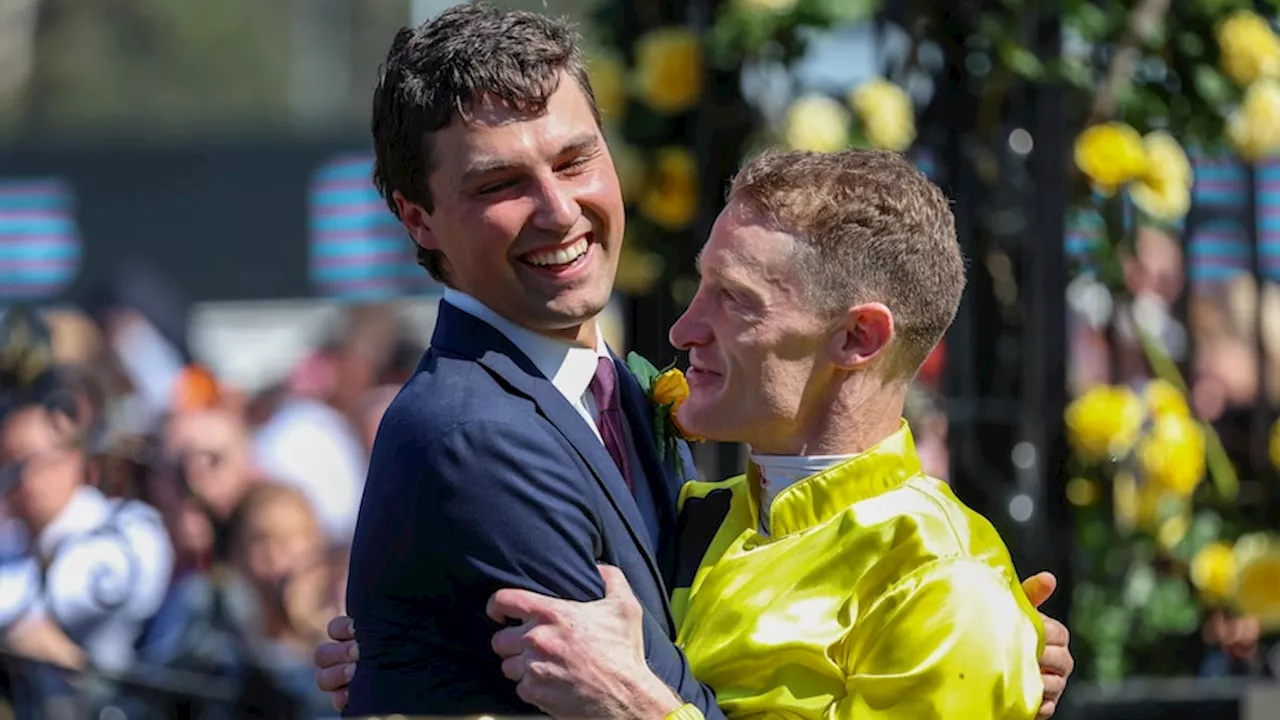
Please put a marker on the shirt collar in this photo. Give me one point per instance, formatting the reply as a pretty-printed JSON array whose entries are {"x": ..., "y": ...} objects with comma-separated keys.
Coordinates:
[
  {"x": 570, "y": 368},
  {"x": 820, "y": 497}
]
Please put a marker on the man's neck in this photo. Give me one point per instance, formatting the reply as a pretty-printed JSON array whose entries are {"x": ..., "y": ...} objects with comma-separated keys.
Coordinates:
[{"x": 848, "y": 424}]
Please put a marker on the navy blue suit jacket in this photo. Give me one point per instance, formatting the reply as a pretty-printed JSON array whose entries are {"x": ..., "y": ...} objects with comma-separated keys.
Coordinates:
[{"x": 483, "y": 477}]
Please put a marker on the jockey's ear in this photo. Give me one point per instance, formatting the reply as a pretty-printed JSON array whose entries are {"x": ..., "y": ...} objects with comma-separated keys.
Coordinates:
[{"x": 865, "y": 335}]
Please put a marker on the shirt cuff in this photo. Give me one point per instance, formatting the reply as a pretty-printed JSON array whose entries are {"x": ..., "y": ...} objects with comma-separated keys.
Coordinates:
[{"x": 688, "y": 711}]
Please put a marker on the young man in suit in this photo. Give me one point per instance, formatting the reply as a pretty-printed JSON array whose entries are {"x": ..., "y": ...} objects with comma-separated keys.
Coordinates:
[{"x": 521, "y": 454}]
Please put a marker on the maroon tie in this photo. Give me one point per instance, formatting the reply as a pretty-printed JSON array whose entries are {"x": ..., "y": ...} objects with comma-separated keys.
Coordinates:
[{"x": 604, "y": 388}]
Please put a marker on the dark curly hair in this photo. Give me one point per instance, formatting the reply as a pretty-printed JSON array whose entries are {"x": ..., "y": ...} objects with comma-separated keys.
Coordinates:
[{"x": 435, "y": 72}]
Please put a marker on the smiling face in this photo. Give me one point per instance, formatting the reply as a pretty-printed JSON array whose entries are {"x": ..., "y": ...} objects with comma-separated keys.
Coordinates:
[
  {"x": 758, "y": 351},
  {"x": 527, "y": 210}
]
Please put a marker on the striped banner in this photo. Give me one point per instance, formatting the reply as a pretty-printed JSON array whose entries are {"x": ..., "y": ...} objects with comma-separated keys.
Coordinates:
[
  {"x": 358, "y": 249},
  {"x": 40, "y": 247}
]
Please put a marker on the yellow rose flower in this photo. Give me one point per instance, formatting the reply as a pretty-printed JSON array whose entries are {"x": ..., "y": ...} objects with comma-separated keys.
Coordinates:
[
  {"x": 1248, "y": 47},
  {"x": 1162, "y": 398},
  {"x": 765, "y": 6},
  {"x": 816, "y": 122},
  {"x": 885, "y": 114},
  {"x": 1254, "y": 128},
  {"x": 1213, "y": 572},
  {"x": 1257, "y": 559},
  {"x": 1164, "y": 191},
  {"x": 670, "y": 388},
  {"x": 670, "y": 69},
  {"x": 671, "y": 198},
  {"x": 1104, "y": 421},
  {"x": 608, "y": 84},
  {"x": 1110, "y": 155},
  {"x": 1172, "y": 454},
  {"x": 1273, "y": 446}
]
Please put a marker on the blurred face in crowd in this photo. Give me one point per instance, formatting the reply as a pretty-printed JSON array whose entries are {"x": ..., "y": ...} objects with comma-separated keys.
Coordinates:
[
  {"x": 527, "y": 211},
  {"x": 36, "y": 447},
  {"x": 210, "y": 449},
  {"x": 280, "y": 536},
  {"x": 762, "y": 361}
]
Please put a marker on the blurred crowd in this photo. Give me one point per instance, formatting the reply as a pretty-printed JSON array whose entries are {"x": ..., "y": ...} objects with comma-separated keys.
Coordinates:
[{"x": 233, "y": 512}]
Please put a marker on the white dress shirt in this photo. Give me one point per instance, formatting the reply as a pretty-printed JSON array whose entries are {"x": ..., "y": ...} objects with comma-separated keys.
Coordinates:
[
  {"x": 778, "y": 472},
  {"x": 570, "y": 368}
]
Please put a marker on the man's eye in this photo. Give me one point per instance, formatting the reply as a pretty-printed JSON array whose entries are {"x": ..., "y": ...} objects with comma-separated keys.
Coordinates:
[{"x": 497, "y": 187}]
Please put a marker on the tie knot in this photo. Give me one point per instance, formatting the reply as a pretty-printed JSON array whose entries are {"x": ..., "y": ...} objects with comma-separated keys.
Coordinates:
[{"x": 604, "y": 386}]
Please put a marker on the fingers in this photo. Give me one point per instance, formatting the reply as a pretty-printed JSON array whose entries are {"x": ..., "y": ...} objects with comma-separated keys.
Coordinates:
[
  {"x": 340, "y": 700},
  {"x": 1040, "y": 587},
  {"x": 1047, "y": 710},
  {"x": 510, "y": 641},
  {"x": 1055, "y": 633},
  {"x": 521, "y": 605},
  {"x": 615, "y": 583},
  {"x": 341, "y": 628},
  {"x": 1054, "y": 686},
  {"x": 336, "y": 678},
  {"x": 336, "y": 653},
  {"x": 513, "y": 668}
]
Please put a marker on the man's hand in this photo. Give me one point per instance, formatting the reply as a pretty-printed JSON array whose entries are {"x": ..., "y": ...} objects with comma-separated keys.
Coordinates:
[
  {"x": 580, "y": 660},
  {"x": 1056, "y": 664},
  {"x": 336, "y": 661}
]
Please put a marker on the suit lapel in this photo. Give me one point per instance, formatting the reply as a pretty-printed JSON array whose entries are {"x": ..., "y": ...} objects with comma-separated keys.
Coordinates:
[
  {"x": 461, "y": 333},
  {"x": 662, "y": 482}
]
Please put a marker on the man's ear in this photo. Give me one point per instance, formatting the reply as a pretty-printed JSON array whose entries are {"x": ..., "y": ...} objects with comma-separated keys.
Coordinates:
[
  {"x": 416, "y": 220},
  {"x": 866, "y": 334}
]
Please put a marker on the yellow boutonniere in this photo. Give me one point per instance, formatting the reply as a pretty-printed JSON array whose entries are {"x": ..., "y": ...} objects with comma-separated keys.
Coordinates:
[{"x": 666, "y": 390}]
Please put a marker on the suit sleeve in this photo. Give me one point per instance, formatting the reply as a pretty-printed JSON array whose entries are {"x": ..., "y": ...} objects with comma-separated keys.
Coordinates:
[
  {"x": 949, "y": 640},
  {"x": 484, "y": 506}
]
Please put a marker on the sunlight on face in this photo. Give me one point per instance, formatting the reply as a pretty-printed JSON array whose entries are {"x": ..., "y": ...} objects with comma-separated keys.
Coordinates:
[
  {"x": 528, "y": 210},
  {"x": 756, "y": 347}
]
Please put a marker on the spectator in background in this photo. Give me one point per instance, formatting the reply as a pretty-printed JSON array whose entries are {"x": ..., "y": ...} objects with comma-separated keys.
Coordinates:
[
  {"x": 93, "y": 569},
  {"x": 279, "y": 549},
  {"x": 201, "y": 475},
  {"x": 314, "y": 438}
]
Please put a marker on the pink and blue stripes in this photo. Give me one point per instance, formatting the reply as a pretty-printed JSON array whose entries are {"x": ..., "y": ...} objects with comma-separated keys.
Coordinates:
[
  {"x": 40, "y": 245},
  {"x": 358, "y": 250}
]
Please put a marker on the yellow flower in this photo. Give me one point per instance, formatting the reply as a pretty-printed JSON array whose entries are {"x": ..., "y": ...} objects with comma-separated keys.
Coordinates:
[
  {"x": 1248, "y": 47},
  {"x": 670, "y": 69},
  {"x": 765, "y": 6},
  {"x": 1164, "y": 191},
  {"x": 816, "y": 122},
  {"x": 671, "y": 198},
  {"x": 1082, "y": 492},
  {"x": 885, "y": 114},
  {"x": 1162, "y": 398},
  {"x": 608, "y": 84},
  {"x": 1213, "y": 571},
  {"x": 1257, "y": 559},
  {"x": 1254, "y": 128},
  {"x": 1273, "y": 446},
  {"x": 670, "y": 388},
  {"x": 638, "y": 269},
  {"x": 1104, "y": 421},
  {"x": 1110, "y": 155},
  {"x": 1172, "y": 455}
]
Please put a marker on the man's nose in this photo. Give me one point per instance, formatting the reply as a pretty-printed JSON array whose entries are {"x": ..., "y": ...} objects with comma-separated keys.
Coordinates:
[
  {"x": 689, "y": 330},
  {"x": 558, "y": 209}
]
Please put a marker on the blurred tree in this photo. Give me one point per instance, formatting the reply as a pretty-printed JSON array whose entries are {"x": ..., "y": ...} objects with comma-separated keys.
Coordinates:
[{"x": 162, "y": 67}]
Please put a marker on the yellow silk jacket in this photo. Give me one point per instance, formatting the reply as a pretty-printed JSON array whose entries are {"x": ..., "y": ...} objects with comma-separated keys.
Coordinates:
[{"x": 878, "y": 595}]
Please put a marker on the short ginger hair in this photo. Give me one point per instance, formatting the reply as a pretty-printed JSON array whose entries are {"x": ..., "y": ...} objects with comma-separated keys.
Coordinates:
[{"x": 877, "y": 230}]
